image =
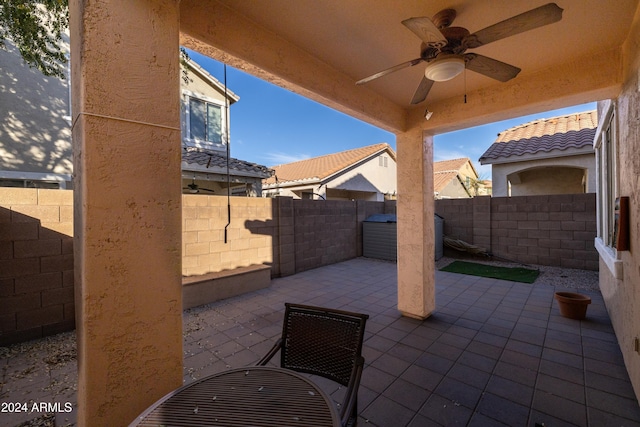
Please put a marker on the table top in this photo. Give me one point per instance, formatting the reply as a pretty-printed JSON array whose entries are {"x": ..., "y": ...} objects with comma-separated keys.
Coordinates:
[{"x": 252, "y": 396}]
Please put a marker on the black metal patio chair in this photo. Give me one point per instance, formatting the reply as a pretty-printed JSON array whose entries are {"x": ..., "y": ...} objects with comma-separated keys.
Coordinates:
[{"x": 325, "y": 342}]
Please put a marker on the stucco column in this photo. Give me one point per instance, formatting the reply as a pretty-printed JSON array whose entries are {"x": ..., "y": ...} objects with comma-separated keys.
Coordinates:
[
  {"x": 416, "y": 278},
  {"x": 127, "y": 205}
]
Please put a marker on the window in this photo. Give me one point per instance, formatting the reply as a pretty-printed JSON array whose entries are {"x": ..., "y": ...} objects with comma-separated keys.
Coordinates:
[
  {"x": 607, "y": 177},
  {"x": 607, "y": 190},
  {"x": 205, "y": 121},
  {"x": 382, "y": 161},
  {"x": 27, "y": 183}
]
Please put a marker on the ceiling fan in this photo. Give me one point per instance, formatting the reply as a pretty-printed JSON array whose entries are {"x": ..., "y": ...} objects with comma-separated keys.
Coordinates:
[
  {"x": 443, "y": 46},
  {"x": 195, "y": 188}
]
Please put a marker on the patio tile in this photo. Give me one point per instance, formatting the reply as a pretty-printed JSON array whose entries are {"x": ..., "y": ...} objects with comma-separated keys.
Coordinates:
[
  {"x": 483, "y": 349},
  {"x": 494, "y": 353},
  {"x": 376, "y": 379},
  {"x": 407, "y": 394},
  {"x": 614, "y": 404},
  {"x": 458, "y": 392},
  {"x": 503, "y": 410},
  {"x": 480, "y": 420},
  {"x": 404, "y": 352},
  {"x": 562, "y": 371},
  {"x": 469, "y": 375},
  {"x": 446, "y": 351},
  {"x": 601, "y": 418},
  {"x": 567, "y": 389},
  {"x": 516, "y": 373},
  {"x": 511, "y": 390},
  {"x": 384, "y": 412},
  {"x": 434, "y": 363},
  {"x": 482, "y": 363},
  {"x": 562, "y": 357},
  {"x": 422, "y": 377},
  {"x": 391, "y": 364},
  {"x": 445, "y": 412},
  {"x": 560, "y": 407}
]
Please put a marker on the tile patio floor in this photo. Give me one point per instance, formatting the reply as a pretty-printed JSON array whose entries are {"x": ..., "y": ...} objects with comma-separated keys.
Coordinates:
[{"x": 495, "y": 353}]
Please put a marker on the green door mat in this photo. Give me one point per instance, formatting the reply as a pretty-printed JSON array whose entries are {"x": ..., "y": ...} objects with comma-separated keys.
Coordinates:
[{"x": 516, "y": 274}]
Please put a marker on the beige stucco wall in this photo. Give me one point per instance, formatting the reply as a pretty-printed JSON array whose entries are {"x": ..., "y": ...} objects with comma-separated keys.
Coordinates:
[
  {"x": 35, "y": 131},
  {"x": 556, "y": 175},
  {"x": 369, "y": 177},
  {"x": 453, "y": 190},
  {"x": 416, "y": 228},
  {"x": 548, "y": 180},
  {"x": 127, "y": 206},
  {"x": 622, "y": 297}
]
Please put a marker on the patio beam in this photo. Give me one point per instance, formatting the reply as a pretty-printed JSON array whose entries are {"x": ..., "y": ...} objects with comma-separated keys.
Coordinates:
[
  {"x": 220, "y": 33},
  {"x": 127, "y": 205}
]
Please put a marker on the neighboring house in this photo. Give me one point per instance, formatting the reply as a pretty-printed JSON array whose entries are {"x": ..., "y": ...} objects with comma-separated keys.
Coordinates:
[
  {"x": 548, "y": 156},
  {"x": 35, "y": 132},
  {"x": 367, "y": 173},
  {"x": 35, "y": 126},
  {"x": 204, "y": 133},
  {"x": 455, "y": 179},
  {"x": 485, "y": 187}
]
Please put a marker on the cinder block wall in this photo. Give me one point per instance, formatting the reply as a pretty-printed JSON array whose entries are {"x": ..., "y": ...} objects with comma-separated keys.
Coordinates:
[
  {"x": 36, "y": 247},
  {"x": 556, "y": 230},
  {"x": 289, "y": 235},
  {"x": 36, "y": 263},
  {"x": 249, "y": 233}
]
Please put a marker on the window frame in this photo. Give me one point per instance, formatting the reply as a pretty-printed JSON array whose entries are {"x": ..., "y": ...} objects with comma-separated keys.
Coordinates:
[
  {"x": 191, "y": 141},
  {"x": 605, "y": 146}
]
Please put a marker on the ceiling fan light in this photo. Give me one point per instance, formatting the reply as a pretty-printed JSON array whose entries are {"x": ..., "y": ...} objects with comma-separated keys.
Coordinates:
[{"x": 443, "y": 69}]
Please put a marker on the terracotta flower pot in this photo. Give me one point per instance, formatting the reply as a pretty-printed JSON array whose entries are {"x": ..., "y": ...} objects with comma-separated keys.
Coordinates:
[{"x": 573, "y": 305}]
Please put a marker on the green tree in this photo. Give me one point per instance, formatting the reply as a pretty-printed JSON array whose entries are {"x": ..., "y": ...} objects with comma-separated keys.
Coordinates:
[{"x": 36, "y": 27}]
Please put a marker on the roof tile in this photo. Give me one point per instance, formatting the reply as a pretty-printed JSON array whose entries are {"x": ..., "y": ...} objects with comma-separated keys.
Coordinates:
[
  {"x": 209, "y": 158},
  {"x": 324, "y": 166},
  {"x": 544, "y": 135}
]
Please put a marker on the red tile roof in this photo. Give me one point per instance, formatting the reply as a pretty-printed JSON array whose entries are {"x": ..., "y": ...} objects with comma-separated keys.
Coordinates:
[
  {"x": 573, "y": 131},
  {"x": 450, "y": 165},
  {"x": 324, "y": 166},
  {"x": 442, "y": 179}
]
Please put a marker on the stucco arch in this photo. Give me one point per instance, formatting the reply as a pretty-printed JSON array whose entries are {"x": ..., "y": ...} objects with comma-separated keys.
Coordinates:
[
  {"x": 560, "y": 175},
  {"x": 548, "y": 180}
]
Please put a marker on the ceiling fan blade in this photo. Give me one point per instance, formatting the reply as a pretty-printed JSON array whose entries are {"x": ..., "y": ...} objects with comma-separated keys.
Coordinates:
[
  {"x": 422, "y": 91},
  {"x": 538, "y": 17},
  {"x": 490, "y": 67},
  {"x": 426, "y": 30},
  {"x": 390, "y": 70}
]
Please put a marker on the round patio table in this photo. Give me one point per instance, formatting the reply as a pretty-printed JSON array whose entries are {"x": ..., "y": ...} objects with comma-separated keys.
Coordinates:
[{"x": 256, "y": 396}]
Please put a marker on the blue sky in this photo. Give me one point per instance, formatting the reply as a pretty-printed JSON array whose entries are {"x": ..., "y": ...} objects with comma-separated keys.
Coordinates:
[{"x": 271, "y": 125}]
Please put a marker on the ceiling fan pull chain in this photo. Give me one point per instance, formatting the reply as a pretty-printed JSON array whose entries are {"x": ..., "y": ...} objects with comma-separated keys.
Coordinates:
[{"x": 465, "y": 84}]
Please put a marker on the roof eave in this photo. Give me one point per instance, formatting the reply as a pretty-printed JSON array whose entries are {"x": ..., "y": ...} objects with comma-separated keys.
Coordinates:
[
  {"x": 216, "y": 170},
  {"x": 539, "y": 156}
]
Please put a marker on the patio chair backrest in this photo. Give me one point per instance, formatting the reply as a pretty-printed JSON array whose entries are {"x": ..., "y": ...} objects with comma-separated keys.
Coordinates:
[{"x": 322, "y": 341}]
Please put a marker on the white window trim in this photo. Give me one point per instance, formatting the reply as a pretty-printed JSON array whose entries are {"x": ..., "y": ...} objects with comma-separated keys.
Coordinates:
[
  {"x": 191, "y": 142},
  {"x": 608, "y": 253},
  {"x": 610, "y": 258},
  {"x": 61, "y": 179}
]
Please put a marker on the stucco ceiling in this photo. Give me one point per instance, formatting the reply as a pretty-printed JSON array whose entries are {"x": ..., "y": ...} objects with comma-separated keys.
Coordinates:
[{"x": 356, "y": 38}]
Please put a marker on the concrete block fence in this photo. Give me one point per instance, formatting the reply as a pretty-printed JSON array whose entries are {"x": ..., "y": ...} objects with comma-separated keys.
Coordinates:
[
  {"x": 555, "y": 230},
  {"x": 290, "y": 236},
  {"x": 36, "y": 247},
  {"x": 36, "y": 263}
]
